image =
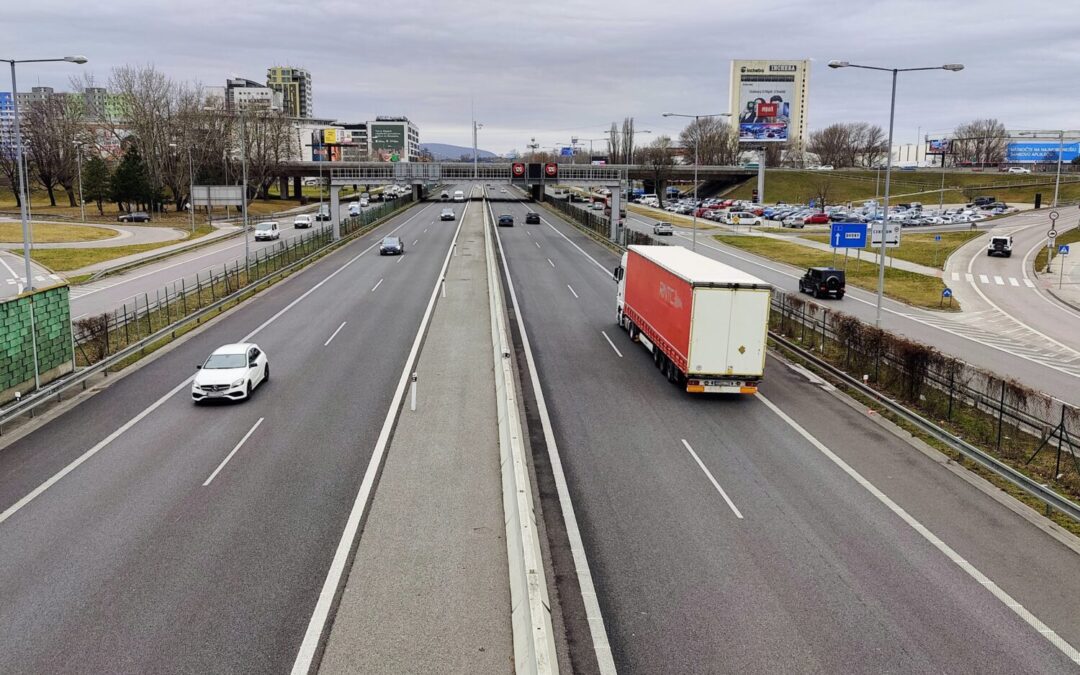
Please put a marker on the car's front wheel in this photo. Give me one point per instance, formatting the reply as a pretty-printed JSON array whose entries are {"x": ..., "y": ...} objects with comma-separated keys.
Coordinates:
[
  {"x": 266, "y": 373},
  {"x": 248, "y": 394}
]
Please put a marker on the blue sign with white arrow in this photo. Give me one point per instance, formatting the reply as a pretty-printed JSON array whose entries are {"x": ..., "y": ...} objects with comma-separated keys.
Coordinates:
[
  {"x": 848, "y": 235},
  {"x": 1063, "y": 249},
  {"x": 947, "y": 293}
]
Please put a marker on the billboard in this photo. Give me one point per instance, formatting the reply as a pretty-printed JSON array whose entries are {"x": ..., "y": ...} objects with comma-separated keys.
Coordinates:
[
  {"x": 1040, "y": 151},
  {"x": 937, "y": 146},
  {"x": 387, "y": 142},
  {"x": 330, "y": 136},
  {"x": 768, "y": 100}
]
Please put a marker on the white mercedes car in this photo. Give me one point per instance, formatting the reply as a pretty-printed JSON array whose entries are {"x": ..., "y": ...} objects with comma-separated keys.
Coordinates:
[{"x": 231, "y": 373}]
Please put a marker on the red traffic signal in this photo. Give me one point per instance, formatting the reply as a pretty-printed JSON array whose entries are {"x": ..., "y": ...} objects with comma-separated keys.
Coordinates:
[
  {"x": 551, "y": 170},
  {"x": 518, "y": 170}
]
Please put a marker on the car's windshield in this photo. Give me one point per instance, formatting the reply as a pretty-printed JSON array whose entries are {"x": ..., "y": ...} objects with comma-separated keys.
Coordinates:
[
  {"x": 223, "y": 361},
  {"x": 264, "y": 226},
  {"x": 390, "y": 241}
]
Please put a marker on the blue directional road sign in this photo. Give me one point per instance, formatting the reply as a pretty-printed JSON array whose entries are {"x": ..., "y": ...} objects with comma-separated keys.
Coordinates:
[
  {"x": 1063, "y": 249},
  {"x": 937, "y": 237},
  {"x": 848, "y": 235},
  {"x": 947, "y": 293}
]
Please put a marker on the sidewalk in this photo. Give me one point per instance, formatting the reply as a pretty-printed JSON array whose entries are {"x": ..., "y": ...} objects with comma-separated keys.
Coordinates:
[
  {"x": 429, "y": 588},
  {"x": 1068, "y": 279}
]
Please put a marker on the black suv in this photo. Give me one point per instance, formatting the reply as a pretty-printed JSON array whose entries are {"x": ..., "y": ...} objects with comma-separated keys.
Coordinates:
[
  {"x": 532, "y": 218},
  {"x": 506, "y": 220},
  {"x": 823, "y": 281}
]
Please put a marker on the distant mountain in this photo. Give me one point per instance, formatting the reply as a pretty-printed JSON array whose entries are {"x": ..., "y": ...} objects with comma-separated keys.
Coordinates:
[{"x": 448, "y": 153}]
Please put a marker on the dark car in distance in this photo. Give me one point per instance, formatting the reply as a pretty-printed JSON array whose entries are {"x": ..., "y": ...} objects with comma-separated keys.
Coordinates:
[
  {"x": 391, "y": 246},
  {"x": 134, "y": 217},
  {"x": 506, "y": 220},
  {"x": 447, "y": 214},
  {"x": 823, "y": 281},
  {"x": 532, "y": 218}
]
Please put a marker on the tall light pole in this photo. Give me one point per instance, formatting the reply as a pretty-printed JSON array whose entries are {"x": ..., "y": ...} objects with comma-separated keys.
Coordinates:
[
  {"x": 697, "y": 142},
  {"x": 24, "y": 193},
  {"x": 244, "y": 185},
  {"x": 476, "y": 126},
  {"x": 888, "y": 163},
  {"x": 78, "y": 159}
]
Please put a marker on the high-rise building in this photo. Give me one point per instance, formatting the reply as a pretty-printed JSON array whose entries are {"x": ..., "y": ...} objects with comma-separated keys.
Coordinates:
[
  {"x": 294, "y": 85},
  {"x": 393, "y": 139},
  {"x": 244, "y": 94}
]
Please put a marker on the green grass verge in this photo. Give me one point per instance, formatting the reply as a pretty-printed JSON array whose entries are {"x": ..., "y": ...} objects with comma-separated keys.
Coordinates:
[
  {"x": 64, "y": 259},
  {"x": 55, "y": 233},
  {"x": 908, "y": 287},
  {"x": 920, "y": 248},
  {"x": 1070, "y": 237}
]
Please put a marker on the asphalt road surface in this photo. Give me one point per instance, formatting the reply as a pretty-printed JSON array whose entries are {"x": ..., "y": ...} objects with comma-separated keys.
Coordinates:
[
  {"x": 722, "y": 538},
  {"x": 13, "y": 274},
  {"x": 134, "y": 560},
  {"x": 1049, "y": 364}
]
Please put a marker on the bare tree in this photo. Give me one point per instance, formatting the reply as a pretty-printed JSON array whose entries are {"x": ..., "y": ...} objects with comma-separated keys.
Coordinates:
[
  {"x": 980, "y": 142},
  {"x": 822, "y": 185},
  {"x": 717, "y": 141},
  {"x": 831, "y": 144},
  {"x": 657, "y": 158},
  {"x": 9, "y": 169},
  {"x": 53, "y": 126},
  {"x": 267, "y": 134}
]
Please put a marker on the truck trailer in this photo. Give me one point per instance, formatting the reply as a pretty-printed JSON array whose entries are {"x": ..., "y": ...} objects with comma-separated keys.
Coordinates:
[{"x": 705, "y": 323}]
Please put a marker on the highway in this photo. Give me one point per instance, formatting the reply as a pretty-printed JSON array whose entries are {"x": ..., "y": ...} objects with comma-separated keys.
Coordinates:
[
  {"x": 109, "y": 293},
  {"x": 140, "y": 533},
  {"x": 1045, "y": 357},
  {"x": 13, "y": 274},
  {"x": 782, "y": 533}
]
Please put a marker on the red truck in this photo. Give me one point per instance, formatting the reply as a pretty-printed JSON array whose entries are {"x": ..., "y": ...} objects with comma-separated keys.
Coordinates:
[{"x": 704, "y": 322}]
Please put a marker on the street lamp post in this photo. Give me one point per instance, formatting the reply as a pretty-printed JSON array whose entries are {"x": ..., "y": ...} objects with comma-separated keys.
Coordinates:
[
  {"x": 476, "y": 126},
  {"x": 697, "y": 142},
  {"x": 78, "y": 159},
  {"x": 888, "y": 164},
  {"x": 244, "y": 186},
  {"x": 24, "y": 193}
]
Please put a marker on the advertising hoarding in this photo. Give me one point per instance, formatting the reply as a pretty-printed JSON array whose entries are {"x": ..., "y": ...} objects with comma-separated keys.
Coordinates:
[
  {"x": 1040, "y": 151},
  {"x": 387, "y": 142},
  {"x": 330, "y": 136},
  {"x": 937, "y": 146},
  {"x": 765, "y": 106}
]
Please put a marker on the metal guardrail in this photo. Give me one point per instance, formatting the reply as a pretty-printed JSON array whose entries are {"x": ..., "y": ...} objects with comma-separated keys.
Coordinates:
[
  {"x": 28, "y": 404},
  {"x": 1029, "y": 485}
]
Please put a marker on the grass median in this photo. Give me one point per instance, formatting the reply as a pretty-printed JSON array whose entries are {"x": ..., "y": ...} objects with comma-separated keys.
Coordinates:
[
  {"x": 55, "y": 233},
  {"x": 920, "y": 248},
  {"x": 1070, "y": 237},
  {"x": 914, "y": 289},
  {"x": 66, "y": 259}
]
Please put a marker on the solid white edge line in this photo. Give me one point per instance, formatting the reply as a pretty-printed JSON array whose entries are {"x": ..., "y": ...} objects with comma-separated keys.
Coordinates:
[
  {"x": 33, "y": 494},
  {"x": 1067, "y": 649},
  {"x": 376, "y": 285},
  {"x": 593, "y": 614},
  {"x": 230, "y": 455},
  {"x": 606, "y": 271},
  {"x": 334, "y": 334},
  {"x": 572, "y": 290},
  {"x": 712, "y": 480},
  {"x": 317, "y": 624},
  {"x": 551, "y": 263},
  {"x": 611, "y": 343}
]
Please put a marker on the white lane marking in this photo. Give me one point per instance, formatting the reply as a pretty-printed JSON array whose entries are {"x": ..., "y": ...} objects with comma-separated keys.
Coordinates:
[
  {"x": 999, "y": 281},
  {"x": 712, "y": 480},
  {"x": 551, "y": 263},
  {"x": 956, "y": 276},
  {"x": 414, "y": 241},
  {"x": 952, "y": 555},
  {"x": 528, "y": 233},
  {"x": 537, "y": 244},
  {"x": 572, "y": 290},
  {"x": 611, "y": 343},
  {"x": 334, "y": 334},
  {"x": 606, "y": 271},
  {"x": 55, "y": 276},
  {"x": 11, "y": 281},
  {"x": 39, "y": 277},
  {"x": 33, "y": 494},
  {"x": 399, "y": 259},
  {"x": 984, "y": 279},
  {"x": 1013, "y": 281},
  {"x": 376, "y": 285},
  {"x": 1029, "y": 283},
  {"x": 425, "y": 231},
  {"x": 601, "y": 646},
  {"x": 230, "y": 455},
  {"x": 313, "y": 635},
  {"x": 970, "y": 278}
]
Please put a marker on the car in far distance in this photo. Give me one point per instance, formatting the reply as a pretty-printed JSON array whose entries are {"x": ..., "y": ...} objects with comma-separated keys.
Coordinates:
[
  {"x": 816, "y": 219},
  {"x": 365, "y": 201},
  {"x": 663, "y": 228},
  {"x": 302, "y": 221},
  {"x": 231, "y": 372},
  {"x": 506, "y": 220},
  {"x": 134, "y": 217},
  {"x": 354, "y": 209},
  {"x": 267, "y": 230},
  {"x": 391, "y": 246},
  {"x": 1018, "y": 169},
  {"x": 445, "y": 196},
  {"x": 447, "y": 214},
  {"x": 324, "y": 213},
  {"x": 823, "y": 281},
  {"x": 597, "y": 206},
  {"x": 532, "y": 218},
  {"x": 741, "y": 218}
]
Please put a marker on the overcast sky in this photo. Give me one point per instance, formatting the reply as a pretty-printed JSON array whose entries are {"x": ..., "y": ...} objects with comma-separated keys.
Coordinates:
[{"x": 552, "y": 70}]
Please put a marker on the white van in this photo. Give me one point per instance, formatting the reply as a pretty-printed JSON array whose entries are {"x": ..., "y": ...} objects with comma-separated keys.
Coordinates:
[
  {"x": 267, "y": 230},
  {"x": 459, "y": 195},
  {"x": 650, "y": 200}
]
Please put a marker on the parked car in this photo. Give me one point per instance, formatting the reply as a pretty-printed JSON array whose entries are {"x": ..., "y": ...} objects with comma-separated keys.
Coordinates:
[
  {"x": 532, "y": 218},
  {"x": 1018, "y": 169},
  {"x": 392, "y": 246},
  {"x": 742, "y": 218},
  {"x": 663, "y": 228},
  {"x": 134, "y": 217},
  {"x": 816, "y": 219},
  {"x": 823, "y": 281},
  {"x": 267, "y": 230},
  {"x": 231, "y": 372},
  {"x": 447, "y": 214},
  {"x": 302, "y": 221},
  {"x": 506, "y": 220}
]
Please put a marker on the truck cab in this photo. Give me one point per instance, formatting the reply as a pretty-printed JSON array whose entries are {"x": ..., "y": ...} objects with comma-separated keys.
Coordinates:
[{"x": 1000, "y": 245}]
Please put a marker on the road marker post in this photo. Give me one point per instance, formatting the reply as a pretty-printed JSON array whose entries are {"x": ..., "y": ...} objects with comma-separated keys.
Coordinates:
[{"x": 412, "y": 393}]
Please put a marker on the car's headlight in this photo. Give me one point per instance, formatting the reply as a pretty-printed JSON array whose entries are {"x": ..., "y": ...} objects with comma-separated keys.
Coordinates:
[{"x": 237, "y": 383}]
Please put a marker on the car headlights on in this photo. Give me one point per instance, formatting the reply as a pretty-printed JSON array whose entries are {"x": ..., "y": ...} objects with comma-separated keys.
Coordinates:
[{"x": 237, "y": 383}]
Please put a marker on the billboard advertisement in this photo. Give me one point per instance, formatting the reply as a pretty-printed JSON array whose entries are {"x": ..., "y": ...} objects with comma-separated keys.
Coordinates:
[
  {"x": 1040, "y": 151},
  {"x": 765, "y": 107},
  {"x": 330, "y": 136},
  {"x": 387, "y": 142},
  {"x": 937, "y": 146}
]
